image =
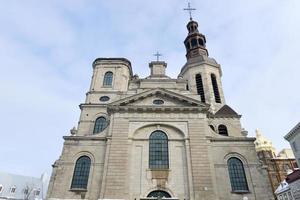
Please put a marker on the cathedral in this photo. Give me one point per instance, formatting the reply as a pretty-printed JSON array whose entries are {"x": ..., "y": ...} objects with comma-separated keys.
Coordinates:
[{"x": 159, "y": 137}]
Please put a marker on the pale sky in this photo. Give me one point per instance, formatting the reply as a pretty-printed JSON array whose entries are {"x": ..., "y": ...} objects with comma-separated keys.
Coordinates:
[{"x": 47, "y": 49}]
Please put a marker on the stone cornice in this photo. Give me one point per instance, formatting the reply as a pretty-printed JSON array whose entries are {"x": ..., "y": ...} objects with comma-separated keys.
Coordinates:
[
  {"x": 293, "y": 132},
  {"x": 196, "y": 63},
  {"x": 77, "y": 138},
  {"x": 92, "y": 105},
  {"x": 113, "y": 61},
  {"x": 162, "y": 92},
  {"x": 232, "y": 139},
  {"x": 114, "y": 108},
  {"x": 212, "y": 116}
]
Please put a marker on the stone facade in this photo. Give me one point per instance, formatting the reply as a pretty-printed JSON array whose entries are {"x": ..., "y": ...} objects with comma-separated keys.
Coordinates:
[
  {"x": 293, "y": 137},
  {"x": 188, "y": 110}
]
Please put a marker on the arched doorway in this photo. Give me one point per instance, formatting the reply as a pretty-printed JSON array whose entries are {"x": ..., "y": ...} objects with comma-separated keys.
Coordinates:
[{"x": 159, "y": 193}]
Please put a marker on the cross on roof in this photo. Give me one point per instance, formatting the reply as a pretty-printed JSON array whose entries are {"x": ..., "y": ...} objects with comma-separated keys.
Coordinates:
[
  {"x": 157, "y": 55},
  {"x": 189, "y": 9}
]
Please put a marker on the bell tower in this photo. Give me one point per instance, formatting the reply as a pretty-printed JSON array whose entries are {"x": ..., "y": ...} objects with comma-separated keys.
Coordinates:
[{"x": 203, "y": 74}]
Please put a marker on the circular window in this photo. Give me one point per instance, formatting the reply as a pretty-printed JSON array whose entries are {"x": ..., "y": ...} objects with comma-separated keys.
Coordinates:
[
  {"x": 104, "y": 98},
  {"x": 158, "y": 102}
]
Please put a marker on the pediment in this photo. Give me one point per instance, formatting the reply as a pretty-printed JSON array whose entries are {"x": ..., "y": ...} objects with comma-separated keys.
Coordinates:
[{"x": 159, "y": 98}]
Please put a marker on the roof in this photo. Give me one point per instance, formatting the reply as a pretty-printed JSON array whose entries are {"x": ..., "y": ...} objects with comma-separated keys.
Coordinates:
[
  {"x": 293, "y": 132},
  {"x": 108, "y": 60},
  {"x": 226, "y": 111},
  {"x": 20, "y": 182},
  {"x": 294, "y": 176},
  {"x": 283, "y": 186}
]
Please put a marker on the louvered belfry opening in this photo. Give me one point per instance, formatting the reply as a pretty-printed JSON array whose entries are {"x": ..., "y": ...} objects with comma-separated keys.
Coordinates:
[
  {"x": 200, "y": 89},
  {"x": 215, "y": 88}
]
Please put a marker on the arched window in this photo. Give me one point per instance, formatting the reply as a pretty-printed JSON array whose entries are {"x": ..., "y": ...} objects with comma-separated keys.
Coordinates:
[
  {"x": 81, "y": 173},
  {"x": 159, "y": 193},
  {"x": 188, "y": 45},
  {"x": 223, "y": 130},
  {"x": 215, "y": 88},
  {"x": 108, "y": 77},
  {"x": 100, "y": 125},
  {"x": 194, "y": 42},
  {"x": 199, "y": 86},
  {"x": 158, "y": 151},
  {"x": 237, "y": 175},
  {"x": 200, "y": 41},
  {"x": 13, "y": 189}
]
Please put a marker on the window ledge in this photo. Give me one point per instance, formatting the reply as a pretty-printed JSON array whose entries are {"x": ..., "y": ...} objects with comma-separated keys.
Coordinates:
[
  {"x": 240, "y": 191},
  {"x": 157, "y": 169},
  {"x": 78, "y": 190}
]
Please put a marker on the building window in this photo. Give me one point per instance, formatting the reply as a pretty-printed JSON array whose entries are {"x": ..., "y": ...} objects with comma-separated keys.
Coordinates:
[
  {"x": 237, "y": 175},
  {"x": 187, "y": 45},
  {"x": 290, "y": 195},
  {"x": 108, "y": 77},
  {"x": 159, "y": 193},
  {"x": 280, "y": 197},
  {"x": 200, "y": 41},
  {"x": 104, "y": 98},
  {"x": 223, "y": 130},
  {"x": 13, "y": 189},
  {"x": 199, "y": 86},
  {"x": 1, "y": 188},
  {"x": 194, "y": 42},
  {"x": 26, "y": 190},
  {"x": 100, "y": 125},
  {"x": 215, "y": 88},
  {"x": 158, "y": 102},
  {"x": 37, "y": 192},
  {"x": 294, "y": 144},
  {"x": 81, "y": 173},
  {"x": 158, "y": 151}
]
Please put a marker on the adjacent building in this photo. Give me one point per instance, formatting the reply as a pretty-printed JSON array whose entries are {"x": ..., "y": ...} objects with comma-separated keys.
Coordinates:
[
  {"x": 289, "y": 189},
  {"x": 278, "y": 166},
  {"x": 293, "y": 137},
  {"x": 17, "y": 187},
  {"x": 159, "y": 137}
]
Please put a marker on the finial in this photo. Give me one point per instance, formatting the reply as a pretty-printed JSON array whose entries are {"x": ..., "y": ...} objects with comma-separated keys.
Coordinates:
[
  {"x": 73, "y": 131},
  {"x": 189, "y": 9},
  {"x": 258, "y": 133},
  {"x": 157, "y": 55}
]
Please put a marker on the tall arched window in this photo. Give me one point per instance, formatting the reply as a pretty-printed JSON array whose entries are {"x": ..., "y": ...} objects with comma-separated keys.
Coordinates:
[
  {"x": 215, "y": 88},
  {"x": 237, "y": 175},
  {"x": 81, "y": 173},
  {"x": 199, "y": 86},
  {"x": 223, "y": 130},
  {"x": 159, "y": 193},
  {"x": 108, "y": 78},
  {"x": 158, "y": 151},
  {"x": 100, "y": 124}
]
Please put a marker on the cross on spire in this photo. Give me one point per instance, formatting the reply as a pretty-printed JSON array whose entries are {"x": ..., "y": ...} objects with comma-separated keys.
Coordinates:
[
  {"x": 157, "y": 55},
  {"x": 189, "y": 9}
]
